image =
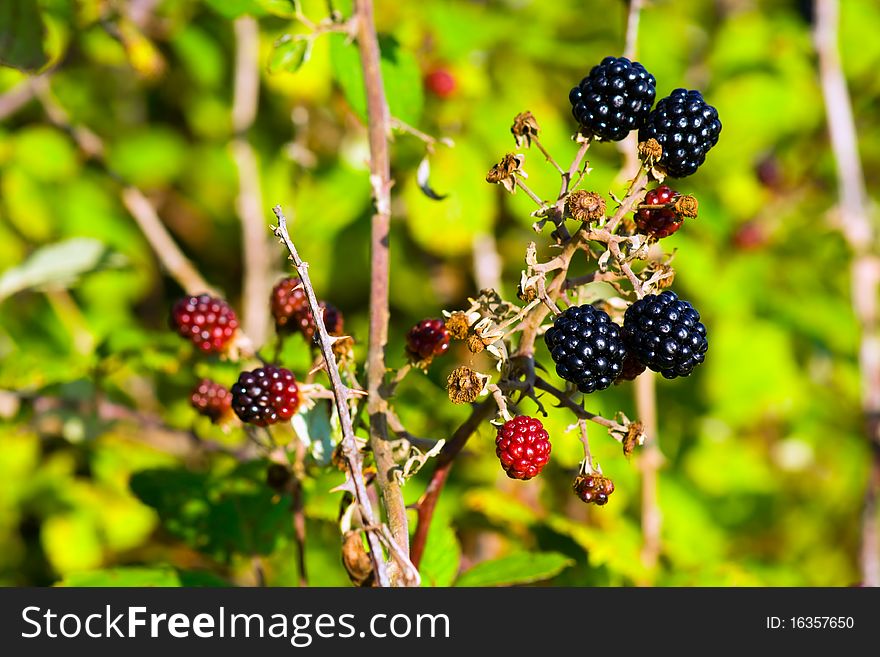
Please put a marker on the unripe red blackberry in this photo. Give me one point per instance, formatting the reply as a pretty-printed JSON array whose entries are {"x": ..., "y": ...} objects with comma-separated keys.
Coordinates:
[
  {"x": 593, "y": 488},
  {"x": 440, "y": 82},
  {"x": 265, "y": 396},
  {"x": 662, "y": 222},
  {"x": 523, "y": 446},
  {"x": 288, "y": 299},
  {"x": 427, "y": 339},
  {"x": 209, "y": 323},
  {"x": 212, "y": 400},
  {"x": 333, "y": 320}
]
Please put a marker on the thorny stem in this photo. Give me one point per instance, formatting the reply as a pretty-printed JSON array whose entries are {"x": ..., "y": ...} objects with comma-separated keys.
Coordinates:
[
  {"x": 859, "y": 232},
  {"x": 380, "y": 177},
  {"x": 579, "y": 410},
  {"x": 529, "y": 192},
  {"x": 351, "y": 452},
  {"x": 585, "y": 441},
  {"x": 427, "y": 503},
  {"x": 547, "y": 155}
]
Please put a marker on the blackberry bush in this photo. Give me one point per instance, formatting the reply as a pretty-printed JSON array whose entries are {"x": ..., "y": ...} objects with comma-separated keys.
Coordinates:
[
  {"x": 686, "y": 127},
  {"x": 614, "y": 99}
]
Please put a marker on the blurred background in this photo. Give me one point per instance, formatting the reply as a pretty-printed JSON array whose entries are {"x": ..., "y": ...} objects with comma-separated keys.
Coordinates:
[{"x": 765, "y": 460}]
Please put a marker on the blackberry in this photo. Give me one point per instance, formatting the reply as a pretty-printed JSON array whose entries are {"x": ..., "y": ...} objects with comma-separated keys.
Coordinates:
[
  {"x": 665, "y": 334},
  {"x": 288, "y": 299},
  {"x": 593, "y": 488},
  {"x": 333, "y": 320},
  {"x": 631, "y": 369},
  {"x": 662, "y": 222},
  {"x": 265, "y": 396},
  {"x": 614, "y": 99},
  {"x": 427, "y": 339},
  {"x": 586, "y": 347},
  {"x": 523, "y": 446},
  {"x": 209, "y": 323},
  {"x": 686, "y": 127},
  {"x": 212, "y": 400}
]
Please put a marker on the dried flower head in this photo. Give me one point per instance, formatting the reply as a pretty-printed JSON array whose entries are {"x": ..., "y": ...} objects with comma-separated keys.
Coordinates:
[
  {"x": 635, "y": 436},
  {"x": 457, "y": 325},
  {"x": 506, "y": 170},
  {"x": 686, "y": 206},
  {"x": 524, "y": 127},
  {"x": 357, "y": 562},
  {"x": 475, "y": 344},
  {"x": 464, "y": 385},
  {"x": 585, "y": 206},
  {"x": 650, "y": 151}
]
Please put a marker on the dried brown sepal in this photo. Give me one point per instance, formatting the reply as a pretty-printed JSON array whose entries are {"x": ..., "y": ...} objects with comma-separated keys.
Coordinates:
[
  {"x": 357, "y": 562},
  {"x": 686, "y": 206},
  {"x": 457, "y": 325},
  {"x": 650, "y": 152},
  {"x": 630, "y": 370},
  {"x": 593, "y": 488},
  {"x": 635, "y": 436},
  {"x": 464, "y": 385},
  {"x": 585, "y": 206},
  {"x": 475, "y": 344},
  {"x": 524, "y": 127},
  {"x": 527, "y": 294},
  {"x": 505, "y": 171}
]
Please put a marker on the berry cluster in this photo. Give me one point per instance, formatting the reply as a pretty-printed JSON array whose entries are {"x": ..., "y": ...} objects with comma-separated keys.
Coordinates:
[
  {"x": 265, "y": 396},
  {"x": 586, "y": 347},
  {"x": 425, "y": 340},
  {"x": 687, "y": 127},
  {"x": 665, "y": 334},
  {"x": 663, "y": 221},
  {"x": 290, "y": 308},
  {"x": 523, "y": 446},
  {"x": 212, "y": 400},
  {"x": 209, "y": 323},
  {"x": 593, "y": 488},
  {"x": 614, "y": 99}
]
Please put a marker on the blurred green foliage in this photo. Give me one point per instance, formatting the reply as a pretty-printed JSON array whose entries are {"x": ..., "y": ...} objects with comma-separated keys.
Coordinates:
[{"x": 764, "y": 461}]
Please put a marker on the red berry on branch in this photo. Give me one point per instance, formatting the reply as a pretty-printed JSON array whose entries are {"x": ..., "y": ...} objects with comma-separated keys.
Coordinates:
[
  {"x": 212, "y": 400},
  {"x": 441, "y": 83},
  {"x": 288, "y": 299},
  {"x": 593, "y": 488},
  {"x": 662, "y": 222},
  {"x": 427, "y": 339},
  {"x": 209, "y": 323},
  {"x": 523, "y": 446},
  {"x": 265, "y": 396}
]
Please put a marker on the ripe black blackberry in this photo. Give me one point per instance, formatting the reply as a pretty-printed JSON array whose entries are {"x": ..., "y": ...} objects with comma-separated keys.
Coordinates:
[
  {"x": 665, "y": 334},
  {"x": 209, "y": 323},
  {"x": 427, "y": 339},
  {"x": 614, "y": 99},
  {"x": 212, "y": 400},
  {"x": 686, "y": 126},
  {"x": 586, "y": 347},
  {"x": 523, "y": 446},
  {"x": 288, "y": 299},
  {"x": 265, "y": 396}
]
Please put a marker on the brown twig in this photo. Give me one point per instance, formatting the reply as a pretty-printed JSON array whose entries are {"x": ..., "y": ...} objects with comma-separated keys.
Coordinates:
[
  {"x": 427, "y": 503},
  {"x": 16, "y": 98},
  {"x": 380, "y": 178},
  {"x": 351, "y": 452},
  {"x": 856, "y": 226},
  {"x": 646, "y": 408},
  {"x": 576, "y": 408},
  {"x": 256, "y": 252}
]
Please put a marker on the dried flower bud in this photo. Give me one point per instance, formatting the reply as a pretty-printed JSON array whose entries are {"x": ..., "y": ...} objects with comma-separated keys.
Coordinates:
[
  {"x": 505, "y": 171},
  {"x": 357, "y": 562},
  {"x": 464, "y": 385},
  {"x": 635, "y": 436},
  {"x": 475, "y": 344},
  {"x": 593, "y": 488},
  {"x": 457, "y": 325},
  {"x": 650, "y": 151},
  {"x": 585, "y": 206},
  {"x": 686, "y": 206},
  {"x": 524, "y": 128}
]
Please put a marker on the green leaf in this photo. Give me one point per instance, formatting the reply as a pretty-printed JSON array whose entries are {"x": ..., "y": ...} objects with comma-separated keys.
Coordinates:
[
  {"x": 21, "y": 35},
  {"x": 58, "y": 265},
  {"x": 235, "y": 8},
  {"x": 521, "y": 568},
  {"x": 442, "y": 556},
  {"x": 400, "y": 75},
  {"x": 161, "y": 576},
  {"x": 289, "y": 54}
]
